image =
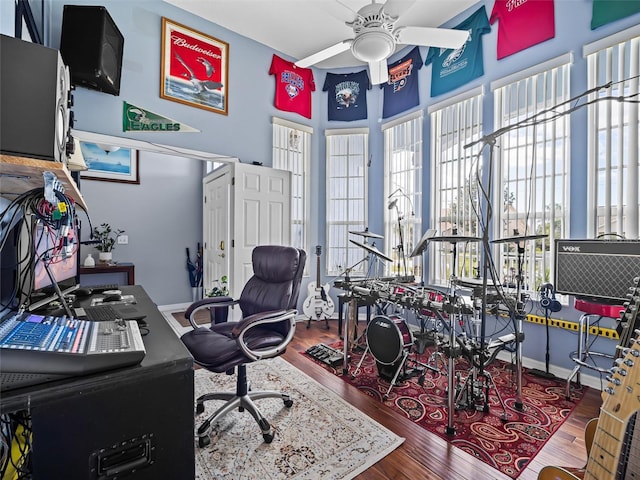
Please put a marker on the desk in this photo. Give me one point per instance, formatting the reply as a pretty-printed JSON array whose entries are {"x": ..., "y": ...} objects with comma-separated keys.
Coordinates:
[
  {"x": 76, "y": 420},
  {"x": 104, "y": 268}
]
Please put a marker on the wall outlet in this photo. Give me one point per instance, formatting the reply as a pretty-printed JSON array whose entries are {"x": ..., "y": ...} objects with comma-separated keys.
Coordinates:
[{"x": 123, "y": 239}]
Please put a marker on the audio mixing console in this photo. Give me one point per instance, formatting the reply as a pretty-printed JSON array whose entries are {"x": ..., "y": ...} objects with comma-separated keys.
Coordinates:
[{"x": 67, "y": 346}]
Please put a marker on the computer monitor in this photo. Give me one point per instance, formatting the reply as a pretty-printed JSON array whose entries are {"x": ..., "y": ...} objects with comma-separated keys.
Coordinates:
[
  {"x": 56, "y": 264},
  {"x": 59, "y": 253},
  {"x": 9, "y": 265}
]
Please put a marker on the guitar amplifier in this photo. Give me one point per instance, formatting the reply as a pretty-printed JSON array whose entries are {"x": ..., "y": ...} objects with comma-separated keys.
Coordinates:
[{"x": 601, "y": 269}]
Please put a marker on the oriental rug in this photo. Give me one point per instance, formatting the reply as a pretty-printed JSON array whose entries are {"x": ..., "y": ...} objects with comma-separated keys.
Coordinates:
[
  {"x": 507, "y": 446},
  {"x": 320, "y": 437}
]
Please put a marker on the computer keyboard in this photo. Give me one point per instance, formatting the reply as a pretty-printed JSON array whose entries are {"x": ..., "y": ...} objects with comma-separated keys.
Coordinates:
[
  {"x": 101, "y": 313},
  {"x": 102, "y": 288}
]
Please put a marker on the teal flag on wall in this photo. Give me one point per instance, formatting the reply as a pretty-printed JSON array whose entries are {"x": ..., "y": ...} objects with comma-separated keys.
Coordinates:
[{"x": 137, "y": 119}]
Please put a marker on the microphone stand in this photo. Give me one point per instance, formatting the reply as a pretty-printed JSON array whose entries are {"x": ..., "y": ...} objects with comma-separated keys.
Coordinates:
[
  {"x": 401, "y": 244},
  {"x": 545, "y": 373}
]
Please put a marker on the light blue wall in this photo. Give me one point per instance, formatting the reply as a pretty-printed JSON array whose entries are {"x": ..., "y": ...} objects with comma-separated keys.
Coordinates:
[
  {"x": 155, "y": 213},
  {"x": 7, "y": 10},
  {"x": 244, "y": 133},
  {"x": 162, "y": 216}
]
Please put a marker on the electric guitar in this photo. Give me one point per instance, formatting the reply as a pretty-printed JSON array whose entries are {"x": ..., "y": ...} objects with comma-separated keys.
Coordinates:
[
  {"x": 612, "y": 447},
  {"x": 318, "y": 304}
]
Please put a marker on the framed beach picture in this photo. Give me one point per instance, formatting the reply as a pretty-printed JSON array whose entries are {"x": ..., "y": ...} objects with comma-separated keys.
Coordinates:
[
  {"x": 110, "y": 164},
  {"x": 194, "y": 68}
]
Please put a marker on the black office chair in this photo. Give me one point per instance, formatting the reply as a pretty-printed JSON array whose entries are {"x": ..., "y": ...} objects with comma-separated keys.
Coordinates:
[{"x": 268, "y": 304}]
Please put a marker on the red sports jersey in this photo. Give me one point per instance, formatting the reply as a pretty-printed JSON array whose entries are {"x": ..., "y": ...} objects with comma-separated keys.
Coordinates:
[
  {"x": 293, "y": 87},
  {"x": 523, "y": 23}
]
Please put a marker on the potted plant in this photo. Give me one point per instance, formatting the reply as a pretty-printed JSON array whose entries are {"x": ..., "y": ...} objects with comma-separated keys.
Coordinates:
[
  {"x": 220, "y": 289},
  {"x": 107, "y": 238}
]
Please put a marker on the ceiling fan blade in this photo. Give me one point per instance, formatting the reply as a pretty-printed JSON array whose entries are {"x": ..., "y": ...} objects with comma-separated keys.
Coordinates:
[
  {"x": 340, "y": 10},
  {"x": 324, "y": 54},
  {"x": 396, "y": 8},
  {"x": 432, "y": 37},
  {"x": 378, "y": 72}
]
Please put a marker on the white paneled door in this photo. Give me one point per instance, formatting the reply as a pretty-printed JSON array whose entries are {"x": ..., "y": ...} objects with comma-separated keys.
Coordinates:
[{"x": 245, "y": 206}]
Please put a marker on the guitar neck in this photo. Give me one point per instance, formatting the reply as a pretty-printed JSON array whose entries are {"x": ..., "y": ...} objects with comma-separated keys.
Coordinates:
[
  {"x": 629, "y": 319},
  {"x": 607, "y": 445},
  {"x": 629, "y": 464}
]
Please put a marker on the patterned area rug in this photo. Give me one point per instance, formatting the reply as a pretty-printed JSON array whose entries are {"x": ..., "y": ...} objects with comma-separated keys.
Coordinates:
[
  {"x": 320, "y": 437},
  {"x": 507, "y": 446}
]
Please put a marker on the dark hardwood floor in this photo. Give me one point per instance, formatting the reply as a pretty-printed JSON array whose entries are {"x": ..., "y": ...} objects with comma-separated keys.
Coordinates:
[{"x": 424, "y": 455}]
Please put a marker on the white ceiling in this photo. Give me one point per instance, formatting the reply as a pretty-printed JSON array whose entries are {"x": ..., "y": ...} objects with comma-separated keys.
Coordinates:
[{"x": 299, "y": 28}]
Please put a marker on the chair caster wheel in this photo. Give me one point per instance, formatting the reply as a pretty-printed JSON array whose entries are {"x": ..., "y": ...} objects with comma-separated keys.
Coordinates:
[
  {"x": 204, "y": 441},
  {"x": 268, "y": 437},
  {"x": 288, "y": 403},
  {"x": 199, "y": 408}
]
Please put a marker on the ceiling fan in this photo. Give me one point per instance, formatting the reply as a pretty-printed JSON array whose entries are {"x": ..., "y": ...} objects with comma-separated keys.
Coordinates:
[{"x": 376, "y": 35}]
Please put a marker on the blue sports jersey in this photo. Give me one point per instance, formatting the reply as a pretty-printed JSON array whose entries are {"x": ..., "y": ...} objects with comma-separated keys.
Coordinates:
[
  {"x": 347, "y": 98},
  {"x": 453, "y": 68},
  {"x": 401, "y": 90}
]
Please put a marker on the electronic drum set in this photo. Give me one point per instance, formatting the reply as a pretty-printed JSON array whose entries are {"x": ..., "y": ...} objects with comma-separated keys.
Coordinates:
[{"x": 447, "y": 321}]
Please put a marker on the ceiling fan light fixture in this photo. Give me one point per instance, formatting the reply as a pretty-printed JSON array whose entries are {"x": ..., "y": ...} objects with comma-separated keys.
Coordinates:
[{"x": 373, "y": 46}]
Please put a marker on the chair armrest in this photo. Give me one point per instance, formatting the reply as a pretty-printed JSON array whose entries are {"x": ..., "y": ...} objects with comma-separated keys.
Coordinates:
[
  {"x": 275, "y": 316},
  {"x": 272, "y": 316},
  {"x": 209, "y": 302}
]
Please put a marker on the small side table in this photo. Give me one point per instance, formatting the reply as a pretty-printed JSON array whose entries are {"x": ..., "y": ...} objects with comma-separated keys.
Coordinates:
[{"x": 102, "y": 268}]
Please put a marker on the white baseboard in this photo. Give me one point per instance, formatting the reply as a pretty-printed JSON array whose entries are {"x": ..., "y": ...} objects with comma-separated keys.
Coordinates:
[
  {"x": 176, "y": 307},
  {"x": 586, "y": 376}
]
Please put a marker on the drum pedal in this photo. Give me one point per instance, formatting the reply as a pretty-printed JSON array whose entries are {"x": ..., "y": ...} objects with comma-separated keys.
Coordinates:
[{"x": 325, "y": 354}]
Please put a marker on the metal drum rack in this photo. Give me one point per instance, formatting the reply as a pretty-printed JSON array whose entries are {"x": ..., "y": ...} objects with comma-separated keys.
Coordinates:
[{"x": 446, "y": 308}]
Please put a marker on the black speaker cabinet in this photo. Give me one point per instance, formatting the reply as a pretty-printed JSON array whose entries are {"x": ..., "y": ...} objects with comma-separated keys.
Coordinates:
[
  {"x": 134, "y": 430},
  {"x": 600, "y": 269},
  {"x": 34, "y": 87},
  {"x": 91, "y": 45}
]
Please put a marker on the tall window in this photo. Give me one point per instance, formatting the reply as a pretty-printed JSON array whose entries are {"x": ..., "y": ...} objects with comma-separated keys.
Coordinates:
[
  {"x": 613, "y": 202},
  {"x": 403, "y": 191},
  {"x": 456, "y": 172},
  {"x": 291, "y": 151},
  {"x": 532, "y": 159},
  {"x": 346, "y": 198}
]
